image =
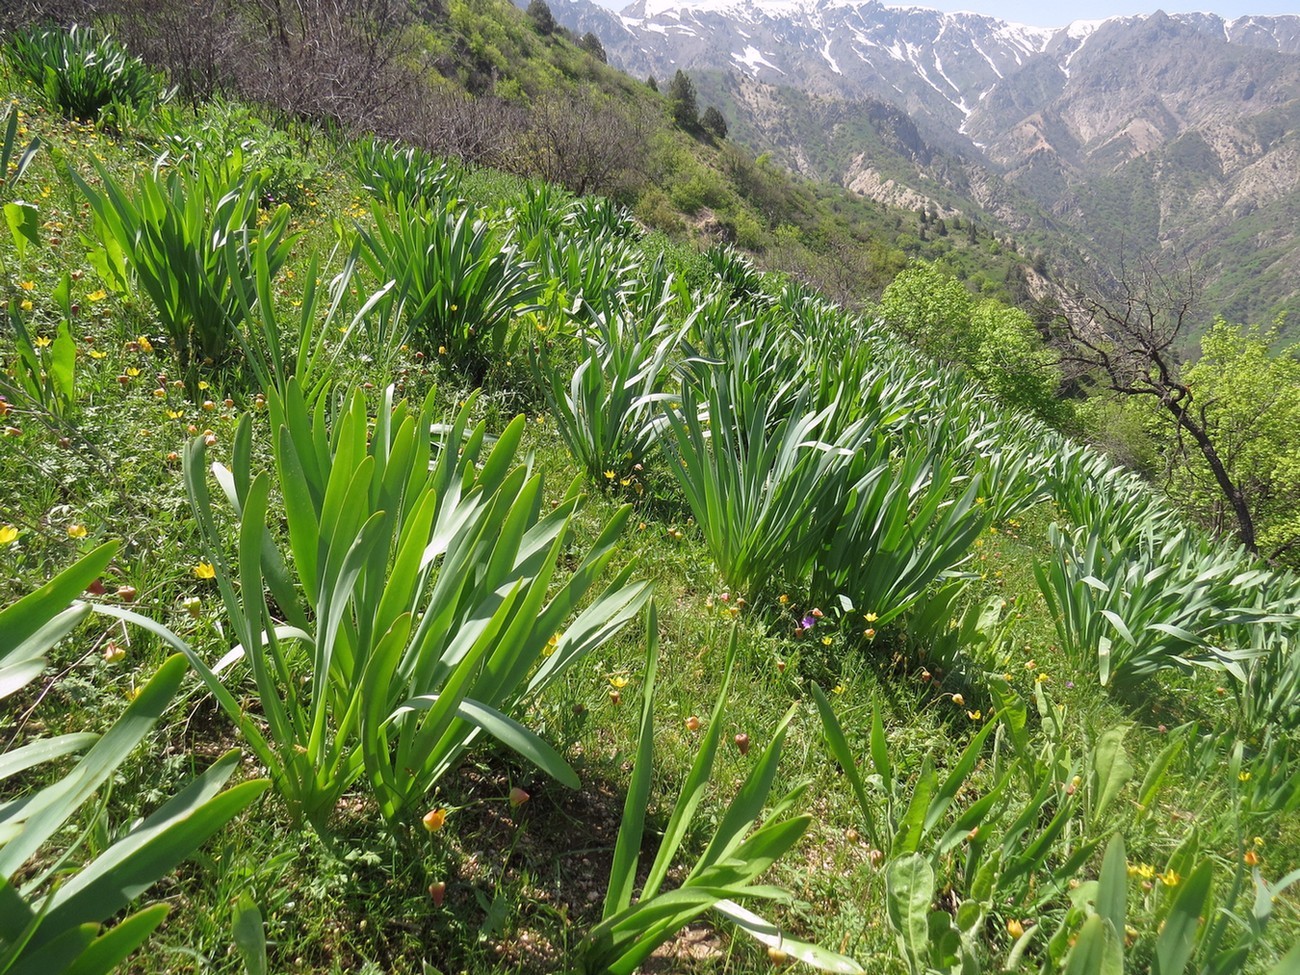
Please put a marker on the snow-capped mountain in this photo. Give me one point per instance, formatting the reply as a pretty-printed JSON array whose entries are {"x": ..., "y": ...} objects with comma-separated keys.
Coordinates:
[
  {"x": 1159, "y": 129},
  {"x": 935, "y": 65}
]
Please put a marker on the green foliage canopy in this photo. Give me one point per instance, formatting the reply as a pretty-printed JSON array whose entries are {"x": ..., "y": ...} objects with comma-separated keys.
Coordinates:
[{"x": 1250, "y": 398}]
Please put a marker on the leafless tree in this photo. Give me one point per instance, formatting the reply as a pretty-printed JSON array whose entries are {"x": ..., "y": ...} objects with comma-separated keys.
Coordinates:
[
  {"x": 1129, "y": 337},
  {"x": 586, "y": 142},
  {"x": 483, "y": 130}
]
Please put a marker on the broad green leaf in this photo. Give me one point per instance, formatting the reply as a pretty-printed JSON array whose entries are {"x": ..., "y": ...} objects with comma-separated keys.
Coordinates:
[
  {"x": 839, "y": 747},
  {"x": 1112, "y": 892},
  {"x": 1177, "y": 940},
  {"x": 62, "y": 363},
  {"x": 627, "y": 849},
  {"x": 43, "y": 750},
  {"x": 697, "y": 780},
  {"x": 1111, "y": 768},
  {"x": 22, "y": 619},
  {"x": 24, "y": 223},
  {"x": 521, "y": 740},
  {"x": 54, "y": 805},
  {"x": 249, "y": 936},
  {"x": 880, "y": 749},
  {"x": 770, "y": 935},
  {"x": 153, "y": 848},
  {"x": 1098, "y": 950},
  {"x": 909, "y": 890},
  {"x": 111, "y": 948}
]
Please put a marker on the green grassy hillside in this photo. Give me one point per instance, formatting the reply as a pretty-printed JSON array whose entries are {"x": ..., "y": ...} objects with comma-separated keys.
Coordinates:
[{"x": 570, "y": 596}]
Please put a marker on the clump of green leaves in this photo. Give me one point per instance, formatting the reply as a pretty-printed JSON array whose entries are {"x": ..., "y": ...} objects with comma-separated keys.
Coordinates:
[
  {"x": 459, "y": 280},
  {"x": 604, "y": 408},
  {"x": 417, "y": 606},
  {"x": 189, "y": 237},
  {"x": 80, "y": 71},
  {"x": 51, "y": 913},
  {"x": 724, "y": 873},
  {"x": 390, "y": 172}
]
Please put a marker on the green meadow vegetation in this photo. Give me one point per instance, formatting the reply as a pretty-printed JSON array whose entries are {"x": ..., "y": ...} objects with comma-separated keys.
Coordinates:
[{"x": 413, "y": 567}]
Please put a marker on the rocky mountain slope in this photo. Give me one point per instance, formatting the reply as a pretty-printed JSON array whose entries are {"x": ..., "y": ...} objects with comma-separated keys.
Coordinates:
[{"x": 1160, "y": 131}]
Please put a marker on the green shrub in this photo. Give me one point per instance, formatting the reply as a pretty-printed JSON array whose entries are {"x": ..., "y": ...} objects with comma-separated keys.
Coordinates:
[{"x": 222, "y": 128}]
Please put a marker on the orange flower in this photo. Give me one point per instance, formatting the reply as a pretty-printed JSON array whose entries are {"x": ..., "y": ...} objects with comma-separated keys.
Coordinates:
[{"x": 434, "y": 820}]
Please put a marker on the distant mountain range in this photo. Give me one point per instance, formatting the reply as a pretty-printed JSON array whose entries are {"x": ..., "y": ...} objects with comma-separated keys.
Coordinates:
[{"x": 1156, "y": 131}]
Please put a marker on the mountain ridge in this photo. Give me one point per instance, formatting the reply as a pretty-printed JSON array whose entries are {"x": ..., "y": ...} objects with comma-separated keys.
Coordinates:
[{"x": 1161, "y": 130}]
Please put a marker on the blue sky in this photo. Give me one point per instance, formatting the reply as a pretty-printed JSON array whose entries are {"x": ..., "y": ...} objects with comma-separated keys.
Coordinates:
[{"x": 1054, "y": 13}]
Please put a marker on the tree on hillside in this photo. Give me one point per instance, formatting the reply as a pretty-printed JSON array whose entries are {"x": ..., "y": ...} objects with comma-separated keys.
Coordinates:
[
  {"x": 591, "y": 44},
  {"x": 586, "y": 141},
  {"x": 1013, "y": 364},
  {"x": 540, "y": 14},
  {"x": 713, "y": 123},
  {"x": 651, "y": 83},
  {"x": 1248, "y": 399},
  {"x": 932, "y": 310},
  {"x": 1128, "y": 337},
  {"x": 999, "y": 344},
  {"x": 681, "y": 101}
]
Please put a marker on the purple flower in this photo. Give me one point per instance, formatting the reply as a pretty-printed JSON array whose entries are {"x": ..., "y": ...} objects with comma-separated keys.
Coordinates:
[
  {"x": 808, "y": 622},
  {"x": 1069, "y": 683}
]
